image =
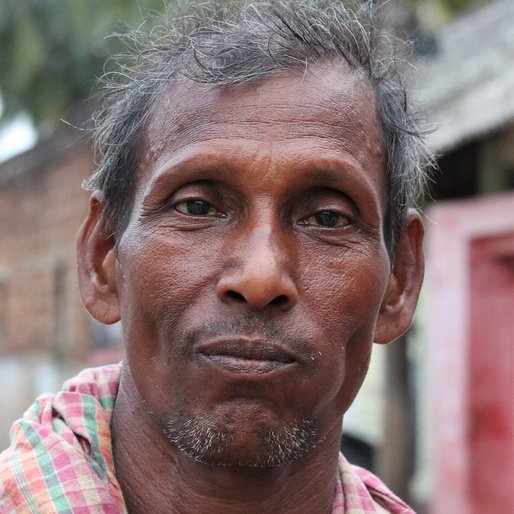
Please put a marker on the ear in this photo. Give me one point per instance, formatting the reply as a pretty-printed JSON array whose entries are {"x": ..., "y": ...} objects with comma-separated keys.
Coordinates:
[
  {"x": 397, "y": 309},
  {"x": 97, "y": 264}
]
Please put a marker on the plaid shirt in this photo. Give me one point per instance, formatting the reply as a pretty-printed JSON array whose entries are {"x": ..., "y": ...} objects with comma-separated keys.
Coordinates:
[{"x": 60, "y": 458}]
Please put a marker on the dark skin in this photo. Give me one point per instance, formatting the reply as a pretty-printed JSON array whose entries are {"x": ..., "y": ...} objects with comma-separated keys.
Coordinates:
[{"x": 251, "y": 281}]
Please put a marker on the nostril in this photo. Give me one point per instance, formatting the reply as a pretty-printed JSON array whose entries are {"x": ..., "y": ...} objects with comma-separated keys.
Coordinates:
[
  {"x": 235, "y": 296},
  {"x": 279, "y": 300}
]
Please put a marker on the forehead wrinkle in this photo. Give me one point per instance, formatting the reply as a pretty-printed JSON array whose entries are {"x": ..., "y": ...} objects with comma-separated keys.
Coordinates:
[
  {"x": 188, "y": 105},
  {"x": 268, "y": 155},
  {"x": 188, "y": 113},
  {"x": 322, "y": 132}
]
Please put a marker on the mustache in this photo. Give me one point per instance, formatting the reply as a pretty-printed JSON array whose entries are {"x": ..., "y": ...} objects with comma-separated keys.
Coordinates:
[{"x": 255, "y": 326}]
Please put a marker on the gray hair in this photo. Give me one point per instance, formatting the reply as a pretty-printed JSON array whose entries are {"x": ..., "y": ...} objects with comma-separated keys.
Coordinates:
[{"x": 226, "y": 43}]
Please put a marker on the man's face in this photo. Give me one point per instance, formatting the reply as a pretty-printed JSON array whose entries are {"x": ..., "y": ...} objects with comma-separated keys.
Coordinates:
[{"x": 252, "y": 271}]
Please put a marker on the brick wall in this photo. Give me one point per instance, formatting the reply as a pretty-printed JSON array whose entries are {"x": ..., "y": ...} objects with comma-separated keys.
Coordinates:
[
  {"x": 41, "y": 316},
  {"x": 42, "y": 207}
]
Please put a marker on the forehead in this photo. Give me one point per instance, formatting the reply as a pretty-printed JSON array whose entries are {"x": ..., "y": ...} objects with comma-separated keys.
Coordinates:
[{"x": 327, "y": 108}]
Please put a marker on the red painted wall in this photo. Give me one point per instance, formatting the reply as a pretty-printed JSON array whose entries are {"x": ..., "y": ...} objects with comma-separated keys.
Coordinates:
[{"x": 471, "y": 339}]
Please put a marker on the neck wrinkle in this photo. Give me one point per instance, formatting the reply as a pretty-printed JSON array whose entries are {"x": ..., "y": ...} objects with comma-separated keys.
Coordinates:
[{"x": 155, "y": 477}]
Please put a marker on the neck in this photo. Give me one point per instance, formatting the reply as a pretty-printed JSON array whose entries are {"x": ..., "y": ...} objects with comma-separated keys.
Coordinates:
[{"x": 156, "y": 477}]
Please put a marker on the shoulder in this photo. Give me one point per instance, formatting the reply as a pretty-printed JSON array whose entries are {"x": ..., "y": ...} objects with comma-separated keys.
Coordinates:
[
  {"x": 362, "y": 491},
  {"x": 61, "y": 440},
  {"x": 101, "y": 383}
]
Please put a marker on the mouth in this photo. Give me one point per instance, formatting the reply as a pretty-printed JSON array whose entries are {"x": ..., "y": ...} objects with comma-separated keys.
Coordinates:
[{"x": 245, "y": 356}]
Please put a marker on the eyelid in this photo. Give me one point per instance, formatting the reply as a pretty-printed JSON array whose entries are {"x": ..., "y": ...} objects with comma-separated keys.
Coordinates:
[
  {"x": 329, "y": 198},
  {"x": 200, "y": 191},
  {"x": 185, "y": 202},
  {"x": 345, "y": 216}
]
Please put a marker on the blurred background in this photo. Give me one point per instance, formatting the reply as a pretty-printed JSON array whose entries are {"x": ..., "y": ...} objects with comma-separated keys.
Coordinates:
[{"x": 435, "y": 418}]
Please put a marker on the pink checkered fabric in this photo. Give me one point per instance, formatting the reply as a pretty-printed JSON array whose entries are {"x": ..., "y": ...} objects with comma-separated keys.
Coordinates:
[
  {"x": 358, "y": 491},
  {"x": 60, "y": 458}
]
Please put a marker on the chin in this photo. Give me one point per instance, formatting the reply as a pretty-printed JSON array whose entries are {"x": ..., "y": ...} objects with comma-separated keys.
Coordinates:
[{"x": 214, "y": 444}]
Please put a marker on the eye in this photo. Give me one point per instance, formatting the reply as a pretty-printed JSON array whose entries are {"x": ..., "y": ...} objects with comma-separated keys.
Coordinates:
[
  {"x": 196, "y": 208},
  {"x": 328, "y": 219}
]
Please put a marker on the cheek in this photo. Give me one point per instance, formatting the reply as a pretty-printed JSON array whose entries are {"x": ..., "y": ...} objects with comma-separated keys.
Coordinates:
[
  {"x": 160, "y": 282},
  {"x": 161, "y": 278},
  {"x": 344, "y": 297},
  {"x": 345, "y": 292}
]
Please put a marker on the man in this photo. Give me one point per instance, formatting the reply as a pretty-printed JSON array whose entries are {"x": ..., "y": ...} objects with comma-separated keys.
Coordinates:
[{"x": 252, "y": 225}]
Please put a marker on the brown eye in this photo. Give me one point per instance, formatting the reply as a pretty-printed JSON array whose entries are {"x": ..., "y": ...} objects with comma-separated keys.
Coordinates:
[
  {"x": 329, "y": 219},
  {"x": 195, "y": 208}
]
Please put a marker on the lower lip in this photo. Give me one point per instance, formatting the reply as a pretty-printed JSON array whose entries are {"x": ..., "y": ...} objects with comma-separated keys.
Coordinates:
[{"x": 240, "y": 366}]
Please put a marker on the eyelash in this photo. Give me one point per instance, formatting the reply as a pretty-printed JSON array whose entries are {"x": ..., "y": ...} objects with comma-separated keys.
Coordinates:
[
  {"x": 326, "y": 219},
  {"x": 317, "y": 217},
  {"x": 199, "y": 203},
  {"x": 323, "y": 219}
]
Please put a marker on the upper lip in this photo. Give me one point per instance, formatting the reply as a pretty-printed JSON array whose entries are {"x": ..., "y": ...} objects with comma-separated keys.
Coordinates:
[{"x": 247, "y": 348}]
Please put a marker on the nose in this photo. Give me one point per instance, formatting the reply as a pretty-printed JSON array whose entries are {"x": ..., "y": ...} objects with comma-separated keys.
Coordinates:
[{"x": 257, "y": 274}]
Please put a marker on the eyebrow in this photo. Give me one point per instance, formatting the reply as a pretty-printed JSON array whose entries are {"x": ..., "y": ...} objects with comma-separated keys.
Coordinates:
[{"x": 335, "y": 169}]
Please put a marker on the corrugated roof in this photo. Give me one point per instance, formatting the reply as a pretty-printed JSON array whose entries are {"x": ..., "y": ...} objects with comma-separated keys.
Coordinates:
[{"x": 467, "y": 87}]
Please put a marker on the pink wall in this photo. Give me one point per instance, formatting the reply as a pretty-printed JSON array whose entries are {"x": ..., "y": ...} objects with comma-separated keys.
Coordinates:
[{"x": 461, "y": 334}]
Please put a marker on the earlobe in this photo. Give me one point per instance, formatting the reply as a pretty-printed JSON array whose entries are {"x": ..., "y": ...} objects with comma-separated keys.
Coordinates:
[
  {"x": 97, "y": 265},
  {"x": 399, "y": 303}
]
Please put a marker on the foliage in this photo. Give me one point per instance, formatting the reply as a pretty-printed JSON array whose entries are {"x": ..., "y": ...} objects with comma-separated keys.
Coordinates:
[
  {"x": 444, "y": 10},
  {"x": 53, "y": 51},
  {"x": 456, "y": 6}
]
